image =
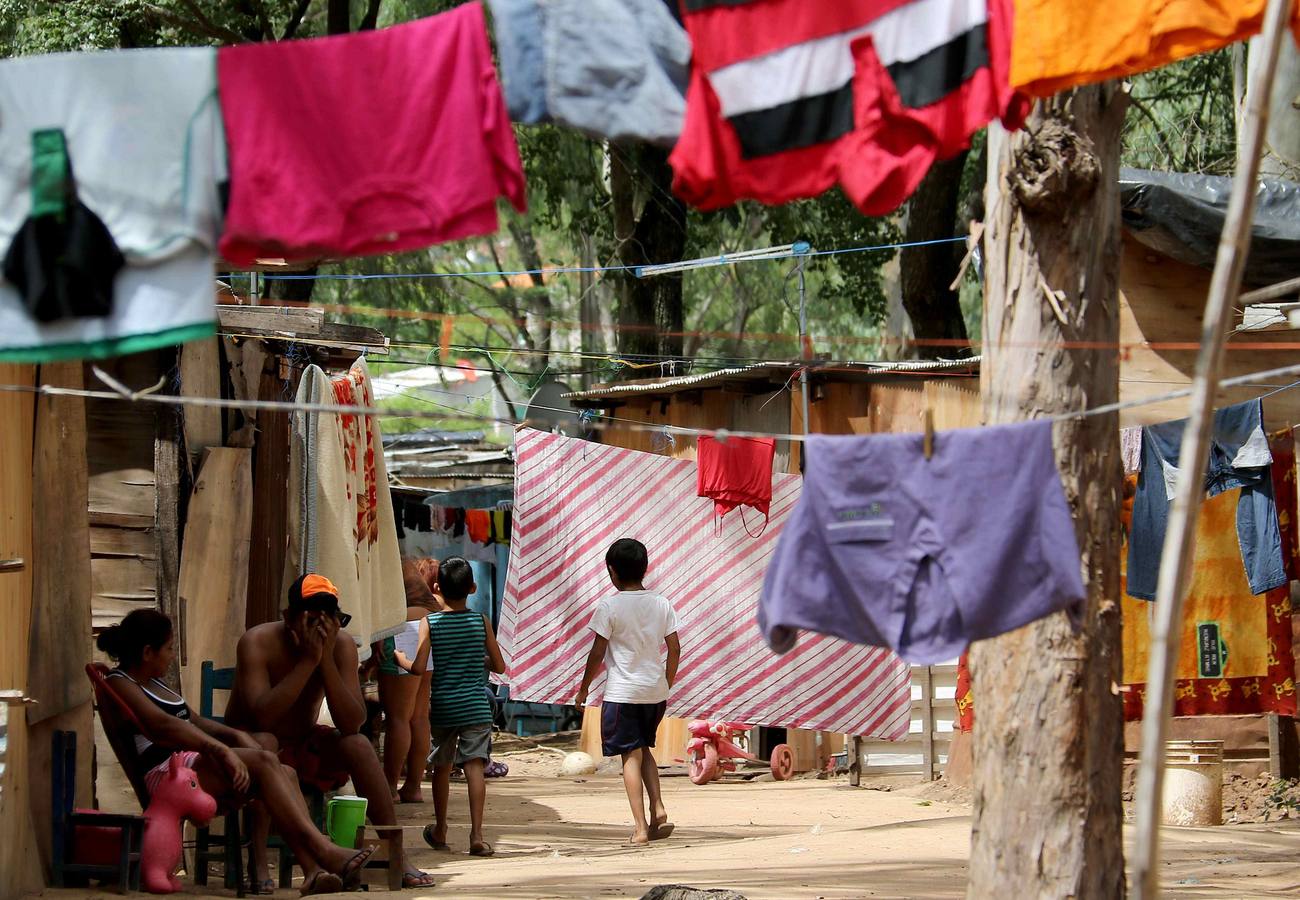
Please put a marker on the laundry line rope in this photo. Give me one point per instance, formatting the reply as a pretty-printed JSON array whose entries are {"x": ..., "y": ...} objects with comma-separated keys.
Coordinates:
[
  {"x": 151, "y": 395},
  {"x": 722, "y": 259}
]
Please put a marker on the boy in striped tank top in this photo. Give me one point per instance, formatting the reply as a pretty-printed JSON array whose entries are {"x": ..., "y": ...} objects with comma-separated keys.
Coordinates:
[{"x": 462, "y": 649}]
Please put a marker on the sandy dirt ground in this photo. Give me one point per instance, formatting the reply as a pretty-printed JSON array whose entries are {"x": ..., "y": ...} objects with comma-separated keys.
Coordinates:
[{"x": 562, "y": 838}]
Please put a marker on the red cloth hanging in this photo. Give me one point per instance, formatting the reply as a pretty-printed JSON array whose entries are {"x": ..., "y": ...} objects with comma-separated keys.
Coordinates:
[{"x": 735, "y": 472}]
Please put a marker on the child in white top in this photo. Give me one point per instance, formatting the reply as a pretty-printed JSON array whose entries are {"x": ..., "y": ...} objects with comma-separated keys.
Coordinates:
[{"x": 631, "y": 627}]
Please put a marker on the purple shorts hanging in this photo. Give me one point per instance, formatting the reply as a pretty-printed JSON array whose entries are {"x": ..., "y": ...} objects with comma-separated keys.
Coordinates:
[{"x": 924, "y": 556}]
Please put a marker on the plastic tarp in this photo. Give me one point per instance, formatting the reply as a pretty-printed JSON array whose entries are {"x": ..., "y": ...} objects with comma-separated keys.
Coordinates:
[
  {"x": 480, "y": 497},
  {"x": 1181, "y": 216}
]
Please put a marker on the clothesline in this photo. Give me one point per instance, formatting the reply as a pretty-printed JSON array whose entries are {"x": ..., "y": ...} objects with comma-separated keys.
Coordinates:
[
  {"x": 449, "y": 320},
  {"x": 723, "y": 259},
  {"x": 598, "y": 423}
]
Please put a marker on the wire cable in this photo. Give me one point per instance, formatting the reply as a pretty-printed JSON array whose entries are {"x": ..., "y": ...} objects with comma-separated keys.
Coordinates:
[{"x": 600, "y": 423}]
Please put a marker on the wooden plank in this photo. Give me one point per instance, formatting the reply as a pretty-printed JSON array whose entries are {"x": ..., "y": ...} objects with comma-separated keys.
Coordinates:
[
  {"x": 370, "y": 339},
  {"x": 670, "y": 741},
  {"x": 1286, "y": 288},
  {"x": 118, "y": 586},
  {"x": 290, "y": 320},
  {"x": 167, "y": 532},
  {"x": 214, "y": 565},
  {"x": 1283, "y": 747},
  {"x": 19, "y": 861},
  {"x": 121, "y": 520},
  {"x": 927, "y": 723},
  {"x": 60, "y": 628},
  {"x": 201, "y": 377},
  {"x": 119, "y": 440},
  {"x": 246, "y": 359},
  {"x": 1162, "y": 302},
  {"x": 123, "y": 543},
  {"x": 270, "y": 505},
  {"x": 765, "y": 412}
]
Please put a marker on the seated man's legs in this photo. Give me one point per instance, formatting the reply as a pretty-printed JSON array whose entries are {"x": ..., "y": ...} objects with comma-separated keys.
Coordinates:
[
  {"x": 357, "y": 756},
  {"x": 275, "y": 790}
]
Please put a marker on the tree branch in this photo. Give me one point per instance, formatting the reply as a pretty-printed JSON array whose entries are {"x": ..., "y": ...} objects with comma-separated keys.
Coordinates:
[
  {"x": 295, "y": 20},
  {"x": 371, "y": 18},
  {"x": 1155, "y": 124},
  {"x": 482, "y": 316},
  {"x": 338, "y": 17},
  {"x": 200, "y": 26}
]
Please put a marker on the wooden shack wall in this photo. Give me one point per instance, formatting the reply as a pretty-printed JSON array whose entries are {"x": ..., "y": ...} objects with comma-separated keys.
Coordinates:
[
  {"x": 46, "y": 604},
  {"x": 122, "y": 494},
  {"x": 19, "y": 859},
  {"x": 1161, "y": 303}
]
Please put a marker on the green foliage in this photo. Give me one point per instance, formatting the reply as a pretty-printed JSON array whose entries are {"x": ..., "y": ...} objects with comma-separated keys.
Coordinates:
[{"x": 1180, "y": 117}]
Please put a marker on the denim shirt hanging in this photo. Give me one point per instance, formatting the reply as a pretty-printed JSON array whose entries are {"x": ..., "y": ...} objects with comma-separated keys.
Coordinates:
[{"x": 1239, "y": 458}]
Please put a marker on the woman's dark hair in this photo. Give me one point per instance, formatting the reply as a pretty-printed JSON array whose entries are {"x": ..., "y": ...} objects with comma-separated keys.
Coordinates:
[{"x": 125, "y": 642}]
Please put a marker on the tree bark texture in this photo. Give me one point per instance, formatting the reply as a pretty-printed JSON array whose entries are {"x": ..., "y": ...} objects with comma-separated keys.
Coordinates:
[
  {"x": 1048, "y": 740},
  {"x": 650, "y": 225},
  {"x": 926, "y": 273},
  {"x": 1282, "y": 141}
]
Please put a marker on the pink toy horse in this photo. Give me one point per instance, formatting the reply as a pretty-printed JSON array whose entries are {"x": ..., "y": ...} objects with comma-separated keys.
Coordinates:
[{"x": 176, "y": 797}]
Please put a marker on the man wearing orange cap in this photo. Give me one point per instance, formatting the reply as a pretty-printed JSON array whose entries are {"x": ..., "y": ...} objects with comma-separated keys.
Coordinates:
[{"x": 285, "y": 670}]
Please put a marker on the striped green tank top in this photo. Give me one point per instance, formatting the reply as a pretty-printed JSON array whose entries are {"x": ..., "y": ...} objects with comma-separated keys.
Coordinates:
[{"x": 458, "y": 696}]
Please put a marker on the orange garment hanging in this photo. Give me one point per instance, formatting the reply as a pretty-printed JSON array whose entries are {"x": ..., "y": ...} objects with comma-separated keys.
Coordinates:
[
  {"x": 478, "y": 522},
  {"x": 1059, "y": 44}
]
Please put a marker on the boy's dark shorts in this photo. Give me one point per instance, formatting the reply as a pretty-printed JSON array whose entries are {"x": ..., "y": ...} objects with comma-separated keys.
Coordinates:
[
  {"x": 626, "y": 726},
  {"x": 459, "y": 744}
]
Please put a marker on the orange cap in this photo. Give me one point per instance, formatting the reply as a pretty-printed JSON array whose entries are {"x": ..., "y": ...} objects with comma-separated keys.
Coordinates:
[{"x": 318, "y": 584}]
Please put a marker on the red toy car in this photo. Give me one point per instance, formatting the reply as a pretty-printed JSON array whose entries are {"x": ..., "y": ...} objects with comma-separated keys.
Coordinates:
[{"x": 715, "y": 746}]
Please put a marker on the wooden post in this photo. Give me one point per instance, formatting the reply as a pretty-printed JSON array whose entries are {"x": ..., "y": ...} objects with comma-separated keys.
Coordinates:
[
  {"x": 270, "y": 498},
  {"x": 854, "y": 745},
  {"x": 20, "y": 862},
  {"x": 926, "y": 677},
  {"x": 167, "y": 526},
  {"x": 1048, "y": 743},
  {"x": 1176, "y": 560}
]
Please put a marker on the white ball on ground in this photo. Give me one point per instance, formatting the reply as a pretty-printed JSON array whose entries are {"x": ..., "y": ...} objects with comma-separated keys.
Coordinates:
[{"x": 578, "y": 763}]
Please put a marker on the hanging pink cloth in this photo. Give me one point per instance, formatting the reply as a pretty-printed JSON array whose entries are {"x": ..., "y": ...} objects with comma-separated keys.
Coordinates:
[{"x": 374, "y": 142}]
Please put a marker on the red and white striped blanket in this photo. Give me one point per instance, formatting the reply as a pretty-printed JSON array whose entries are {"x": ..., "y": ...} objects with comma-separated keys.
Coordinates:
[{"x": 573, "y": 498}]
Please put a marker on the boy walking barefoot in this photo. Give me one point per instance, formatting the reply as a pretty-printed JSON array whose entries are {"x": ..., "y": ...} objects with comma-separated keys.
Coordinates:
[
  {"x": 631, "y": 627},
  {"x": 462, "y": 650}
]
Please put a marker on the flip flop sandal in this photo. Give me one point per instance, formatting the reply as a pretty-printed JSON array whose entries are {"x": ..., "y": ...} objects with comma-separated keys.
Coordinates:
[
  {"x": 659, "y": 832},
  {"x": 266, "y": 886},
  {"x": 481, "y": 850},
  {"x": 427, "y": 834},
  {"x": 321, "y": 883},
  {"x": 355, "y": 865},
  {"x": 420, "y": 880}
]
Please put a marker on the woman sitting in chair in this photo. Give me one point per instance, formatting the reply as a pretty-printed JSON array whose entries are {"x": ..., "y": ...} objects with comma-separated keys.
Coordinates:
[{"x": 232, "y": 765}]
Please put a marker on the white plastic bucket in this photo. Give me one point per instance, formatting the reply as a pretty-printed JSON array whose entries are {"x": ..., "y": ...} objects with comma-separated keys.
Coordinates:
[{"x": 1193, "y": 793}]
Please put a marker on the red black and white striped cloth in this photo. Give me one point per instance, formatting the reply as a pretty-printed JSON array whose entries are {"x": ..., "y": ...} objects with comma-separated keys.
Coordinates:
[
  {"x": 574, "y": 498},
  {"x": 788, "y": 97}
]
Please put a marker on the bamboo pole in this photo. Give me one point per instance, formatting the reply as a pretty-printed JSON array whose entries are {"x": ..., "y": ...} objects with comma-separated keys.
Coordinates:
[{"x": 1176, "y": 561}]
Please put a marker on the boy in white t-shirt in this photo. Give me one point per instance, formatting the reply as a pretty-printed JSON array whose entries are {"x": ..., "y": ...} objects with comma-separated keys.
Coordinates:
[{"x": 631, "y": 627}]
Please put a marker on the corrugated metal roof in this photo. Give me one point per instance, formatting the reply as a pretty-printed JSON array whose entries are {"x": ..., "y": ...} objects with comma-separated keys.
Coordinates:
[{"x": 776, "y": 372}]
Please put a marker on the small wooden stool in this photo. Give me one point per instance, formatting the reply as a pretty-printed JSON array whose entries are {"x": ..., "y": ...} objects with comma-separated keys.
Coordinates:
[{"x": 388, "y": 852}]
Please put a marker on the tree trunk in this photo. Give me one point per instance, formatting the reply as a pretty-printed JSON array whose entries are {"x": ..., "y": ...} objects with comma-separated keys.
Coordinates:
[
  {"x": 1049, "y": 728},
  {"x": 1282, "y": 141},
  {"x": 650, "y": 317},
  {"x": 926, "y": 272}
]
